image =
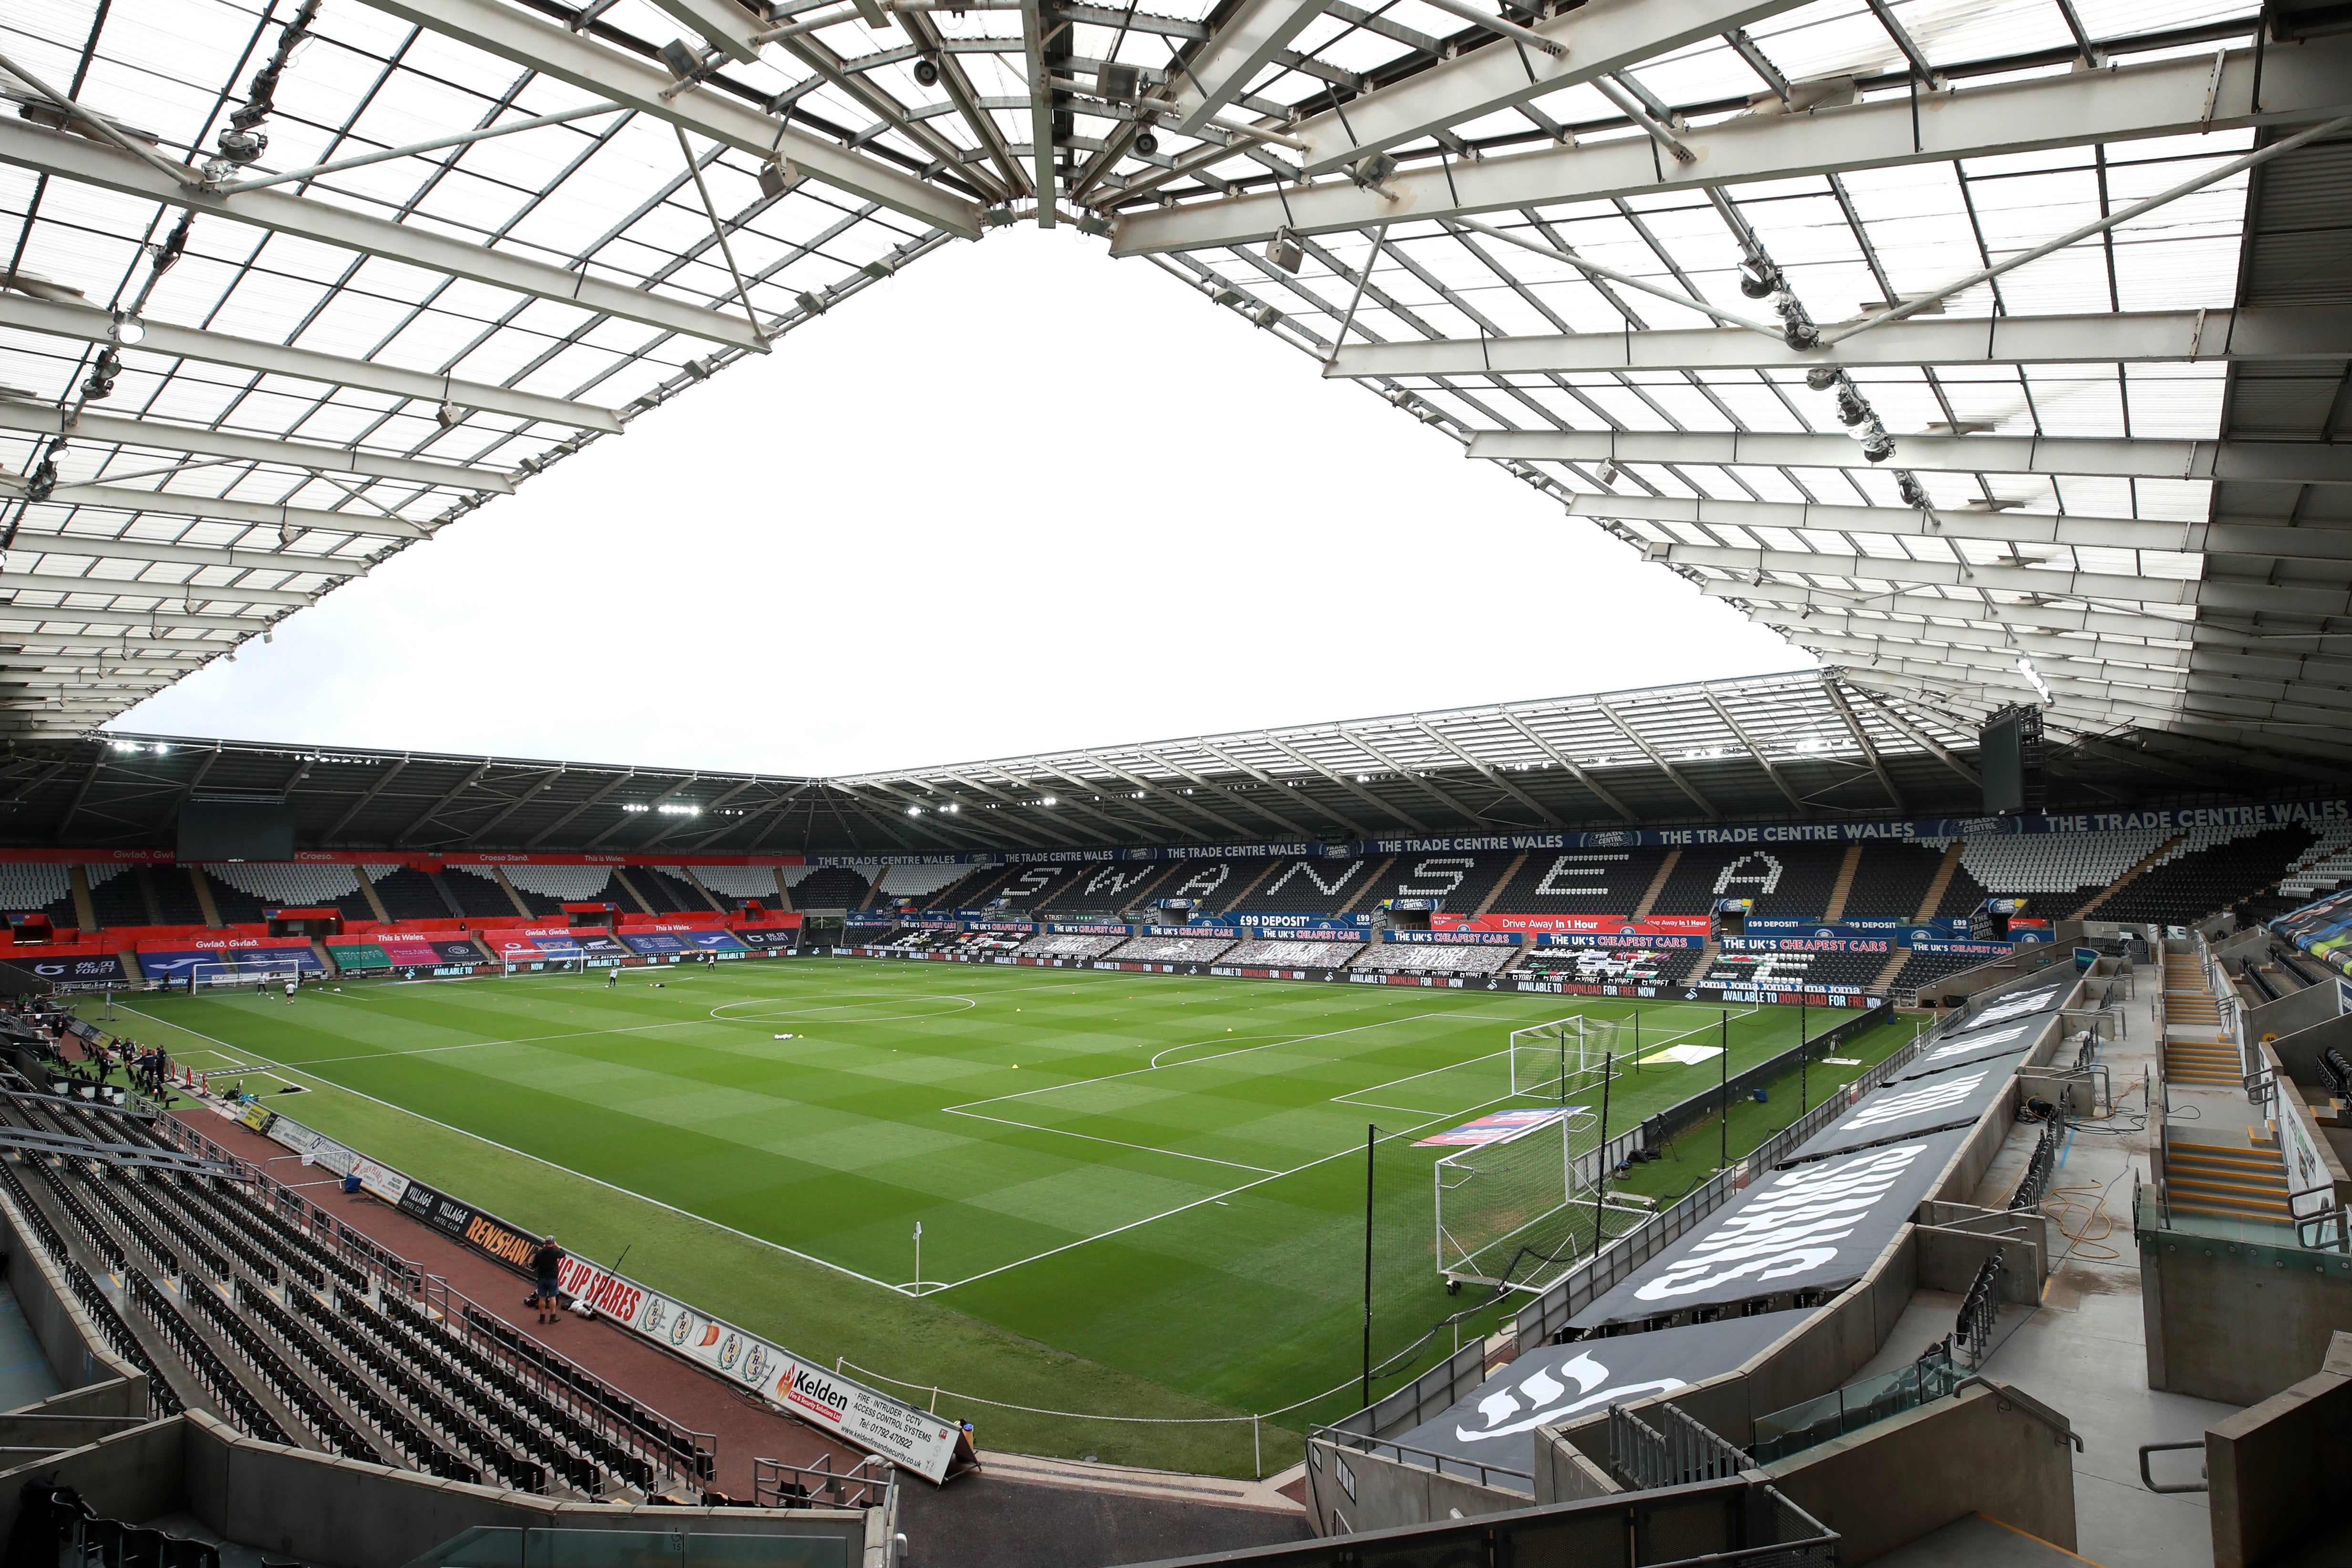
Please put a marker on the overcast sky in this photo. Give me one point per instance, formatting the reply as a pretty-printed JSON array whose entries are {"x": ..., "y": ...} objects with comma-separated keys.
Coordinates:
[{"x": 1020, "y": 497}]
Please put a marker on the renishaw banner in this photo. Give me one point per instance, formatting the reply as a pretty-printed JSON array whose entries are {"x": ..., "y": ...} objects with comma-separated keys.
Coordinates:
[{"x": 904, "y": 1434}]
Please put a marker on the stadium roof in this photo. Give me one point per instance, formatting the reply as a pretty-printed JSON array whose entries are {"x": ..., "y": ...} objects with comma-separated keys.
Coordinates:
[
  {"x": 1802, "y": 746},
  {"x": 292, "y": 286}
]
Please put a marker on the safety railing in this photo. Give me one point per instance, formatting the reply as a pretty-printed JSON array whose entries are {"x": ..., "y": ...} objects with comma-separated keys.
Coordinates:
[
  {"x": 1338, "y": 1442},
  {"x": 871, "y": 1483},
  {"x": 389, "y": 1269},
  {"x": 1790, "y": 1431},
  {"x": 1979, "y": 1310},
  {"x": 1676, "y": 1452},
  {"x": 2325, "y": 1230},
  {"x": 619, "y": 1416}
]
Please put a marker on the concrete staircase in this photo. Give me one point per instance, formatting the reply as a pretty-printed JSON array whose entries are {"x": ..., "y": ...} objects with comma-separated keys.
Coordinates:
[
  {"x": 2195, "y": 1054},
  {"x": 2214, "y": 1179},
  {"x": 1844, "y": 887}
]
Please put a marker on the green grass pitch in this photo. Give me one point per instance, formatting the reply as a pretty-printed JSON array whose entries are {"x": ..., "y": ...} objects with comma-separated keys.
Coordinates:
[{"x": 1140, "y": 1195}]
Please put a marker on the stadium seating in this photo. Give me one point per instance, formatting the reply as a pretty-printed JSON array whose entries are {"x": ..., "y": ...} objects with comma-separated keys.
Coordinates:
[
  {"x": 2211, "y": 869},
  {"x": 477, "y": 892},
  {"x": 1317, "y": 886},
  {"x": 2321, "y": 868},
  {"x": 1065, "y": 947},
  {"x": 1789, "y": 971},
  {"x": 727, "y": 882},
  {"x": 410, "y": 895},
  {"x": 1280, "y": 955},
  {"x": 235, "y": 906},
  {"x": 825, "y": 887},
  {"x": 296, "y": 884},
  {"x": 1582, "y": 882},
  {"x": 1922, "y": 969},
  {"x": 345, "y": 1364},
  {"x": 1173, "y": 949},
  {"x": 1890, "y": 881},
  {"x": 1113, "y": 887},
  {"x": 1461, "y": 881},
  {"x": 1608, "y": 965},
  {"x": 919, "y": 882},
  {"x": 175, "y": 895},
  {"x": 546, "y": 889},
  {"x": 26, "y": 887},
  {"x": 116, "y": 897},
  {"x": 1783, "y": 879},
  {"x": 1435, "y": 958}
]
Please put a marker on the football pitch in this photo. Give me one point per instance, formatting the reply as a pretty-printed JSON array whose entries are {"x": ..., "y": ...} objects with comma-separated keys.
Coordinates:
[{"x": 1137, "y": 1194}]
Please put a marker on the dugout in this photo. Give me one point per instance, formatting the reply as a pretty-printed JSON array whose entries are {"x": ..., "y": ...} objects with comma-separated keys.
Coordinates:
[
  {"x": 580, "y": 916},
  {"x": 32, "y": 927}
]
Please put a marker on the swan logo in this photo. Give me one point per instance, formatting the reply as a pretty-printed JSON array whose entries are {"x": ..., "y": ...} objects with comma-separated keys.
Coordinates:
[{"x": 1542, "y": 1398}]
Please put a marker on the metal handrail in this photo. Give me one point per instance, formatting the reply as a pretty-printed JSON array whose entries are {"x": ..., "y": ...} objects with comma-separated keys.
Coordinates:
[
  {"x": 2149, "y": 1481},
  {"x": 2025, "y": 1402},
  {"x": 1339, "y": 1438}
]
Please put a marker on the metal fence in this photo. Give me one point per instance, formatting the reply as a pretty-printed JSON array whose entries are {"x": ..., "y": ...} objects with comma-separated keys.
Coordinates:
[
  {"x": 1676, "y": 1452},
  {"x": 1793, "y": 1430}
]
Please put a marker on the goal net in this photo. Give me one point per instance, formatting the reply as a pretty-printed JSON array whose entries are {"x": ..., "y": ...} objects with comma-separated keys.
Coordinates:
[
  {"x": 1516, "y": 1211},
  {"x": 253, "y": 971},
  {"x": 1553, "y": 1061}
]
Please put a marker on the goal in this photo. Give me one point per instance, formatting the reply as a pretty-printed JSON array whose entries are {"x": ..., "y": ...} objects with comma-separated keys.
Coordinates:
[
  {"x": 213, "y": 974},
  {"x": 1515, "y": 1212},
  {"x": 1553, "y": 1061}
]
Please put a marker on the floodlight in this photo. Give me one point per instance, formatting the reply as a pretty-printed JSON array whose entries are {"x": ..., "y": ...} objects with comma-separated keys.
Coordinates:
[
  {"x": 1820, "y": 378},
  {"x": 1373, "y": 171},
  {"x": 2025, "y": 667},
  {"x": 1047, "y": 801},
  {"x": 127, "y": 328},
  {"x": 1851, "y": 410},
  {"x": 1755, "y": 282},
  {"x": 681, "y": 57},
  {"x": 1914, "y": 494},
  {"x": 1117, "y": 81},
  {"x": 1876, "y": 444}
]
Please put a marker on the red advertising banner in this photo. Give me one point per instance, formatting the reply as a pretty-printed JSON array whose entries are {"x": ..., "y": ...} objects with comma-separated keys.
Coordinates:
[{"x": 1623, "y": 924}]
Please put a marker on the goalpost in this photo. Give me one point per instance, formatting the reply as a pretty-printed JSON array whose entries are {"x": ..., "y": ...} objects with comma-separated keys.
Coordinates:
[
  {"x": 1513, "y": 1212},
  {"x": 1549, "y": 1060},
  {"x": 256, "y": 970}
]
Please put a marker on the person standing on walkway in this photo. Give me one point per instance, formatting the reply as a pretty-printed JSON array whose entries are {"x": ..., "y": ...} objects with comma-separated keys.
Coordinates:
[{"x": 546, "y": 1265}]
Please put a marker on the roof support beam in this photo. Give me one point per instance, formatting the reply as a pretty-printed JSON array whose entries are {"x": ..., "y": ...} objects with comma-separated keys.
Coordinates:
[
  {"x": 1241, "y": 799},
  {"x": 1917, "y": 634},
  {"x": 87, "y": 162},
  {"x": 1000, "y": 797},
  {"x": 1977, "y": 611},
  {"x": 1347, "y": 784},
  {"x": 141, "y": 588},
  {"x": 2078, "y": 701},
  {"x": 1837, "y": 647},
  {"x": 367, "y": 799},
  {"x": 156, "y": 435},
  {"x": 2315, "y": 333},
  {"x": 437, "y": 807},
  {"x": 1778, "y": 781},
  {"x": 1175, "y": 798},
  {"x": 1861, "y": 738},
  {"x": 1403, "y": 770},
  {"x": 2274, "y": 462},
  {"x": 1598, "y": 40},
  {"x": 1493, "y": 773},
  {"x": 85, "y": 325},
  {"x": 221, "y": 510},
  {"x": 154, "y": 623},
  {"x": 1183, "y": 830},
  {"x": 539, "y": 46},
  {"x": 597, "y": 799},
  {"x": 131, "y": 549},
  {"x": 1944, "y": 573},
  {"x": 2069, "y": 530},
  {"x": 1654, "y": 755},
  {"x": 1560, "y": 758},
  {"x": 2302, "y": 85},
  {"x": 1218, "y": 70}
]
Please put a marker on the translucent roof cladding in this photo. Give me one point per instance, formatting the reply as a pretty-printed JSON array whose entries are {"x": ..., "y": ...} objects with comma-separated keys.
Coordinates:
[{"x": 1611, "y": 248}]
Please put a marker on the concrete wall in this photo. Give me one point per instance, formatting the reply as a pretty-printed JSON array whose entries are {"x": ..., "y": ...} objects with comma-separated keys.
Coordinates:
[
  {"x": 130, "y": 1475},
  {"x": 74, "y": 1348},
  {"x": 2298, "y": 1052},
  {"x": 1896, "y": 1480},
  {"x": 339, "y": 1514},
  {"x": 115, "y": 1396},
  {"x": 2279, "y": 1471},
  {"x": 2295, "y": 1011},
  {"x": 2234, "y": 1321},
  {"x": 1562, "y": 1472},
  {"x": 1949, "y": 1260},
  {"x": 1350, "y": 1491}
]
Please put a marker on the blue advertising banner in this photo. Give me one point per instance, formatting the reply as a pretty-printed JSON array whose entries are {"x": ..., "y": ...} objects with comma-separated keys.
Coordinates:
[
  {"x": 1788, "y": 925},
  {"x": 1091, "y": 930},
  {"x": 656, "y": 942},
  {"x": 1273, "y": 923},
  {"x": 1618, "y": 939},
  {"x": 176, "y": 963},
  {"x": 1197, "y": 929},
  {"x": 1965, "y": 949}
]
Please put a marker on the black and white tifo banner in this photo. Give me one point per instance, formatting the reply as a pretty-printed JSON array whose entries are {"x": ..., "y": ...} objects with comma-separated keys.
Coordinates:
[
  {"x": 1813, "y": 1228},
  {"x": 1495, "y": 1424},
  {"x": 2043, "y": 996},
  {"x": 1916, "y": 1105}
]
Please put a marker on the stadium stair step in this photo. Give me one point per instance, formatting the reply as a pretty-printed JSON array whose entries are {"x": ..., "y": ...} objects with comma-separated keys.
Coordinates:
[
  {"x": 1843, "y": 887},
  {"x": 630, "y": 888},
  {"x": 374, "y": 899},
  {"x": 1496, "y": 892},
  {"x": 2146, "y": 860},
  {"x": 1658, "y": 886},
  {"x": 711, "y": 898},
  {"x": 145, "y": 883},
  {"x": 1364, "y": 891},
  {"x": 1934, "y": 897},
  {"x": 85, "y": 911},
  {"x": 204, "y": 886},
  {"x": 2234, "y": 1183},
  {"x": 514, "y": 896}
]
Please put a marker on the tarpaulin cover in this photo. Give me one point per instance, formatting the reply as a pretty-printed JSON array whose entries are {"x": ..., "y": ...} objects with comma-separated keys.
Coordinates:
[
  {"x": 1496, "y": 1423},
  {"x": 2042, "y": 997},
  {"x": 1813, "y": 1228},
  {"x": 1917, "y": 1105},
  {"x": 1977, "y": 1045}
]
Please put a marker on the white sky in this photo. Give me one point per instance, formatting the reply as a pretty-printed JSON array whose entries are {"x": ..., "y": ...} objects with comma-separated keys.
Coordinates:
[{"x": 1017, "y": 498}]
